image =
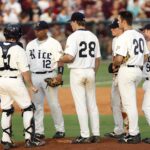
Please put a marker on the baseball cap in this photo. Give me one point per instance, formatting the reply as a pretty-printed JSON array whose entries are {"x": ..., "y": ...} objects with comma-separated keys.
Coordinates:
[
  {"x": 41, "y": 25},
  {"x": 114, "y": 23},
  {"x": 147, "y": 26},
  {"x": 77, "y": 16}
]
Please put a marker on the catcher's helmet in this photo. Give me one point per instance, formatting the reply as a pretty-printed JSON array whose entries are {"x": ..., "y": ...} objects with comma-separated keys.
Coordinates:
[{"x": 13, "y": 31}]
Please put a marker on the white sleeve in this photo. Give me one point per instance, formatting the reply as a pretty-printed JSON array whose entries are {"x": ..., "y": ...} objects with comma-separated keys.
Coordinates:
[
  {"x": 22, "y": 60},
  {"x": 98, "y": 53},
  {"x": 58, "y": 51},
  {"x": 71, "y": 46},
  {"x": 121, "y": 47},
  {"x": 146, "y": 51}
]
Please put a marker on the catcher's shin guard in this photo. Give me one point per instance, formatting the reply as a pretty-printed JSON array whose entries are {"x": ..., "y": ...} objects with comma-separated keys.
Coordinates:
[
  {"x": 28, "y": 120},
  {"x": 6, "y": 123}
]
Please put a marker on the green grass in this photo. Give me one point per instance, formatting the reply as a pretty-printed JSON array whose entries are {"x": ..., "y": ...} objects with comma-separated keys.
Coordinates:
[
  {"x": 103, "y": 78},
  {"x": 72, "y": 126}
]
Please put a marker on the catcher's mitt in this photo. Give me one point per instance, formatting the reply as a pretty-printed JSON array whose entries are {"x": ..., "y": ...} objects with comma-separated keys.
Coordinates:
[
  {"x": 111, "y": 69},
  {"x": 53, "y": 82}
]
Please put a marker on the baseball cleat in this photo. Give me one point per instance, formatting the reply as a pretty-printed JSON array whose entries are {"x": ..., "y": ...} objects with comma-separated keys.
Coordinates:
[
  {"x": 59, "y": 135},
  {"x": 95, "y": 139},
  {"x": 81, "y": 140},
  {"x": 39, "y": 136},
  {"x": 146, "y": 140},
  {"x": 8, "y": 145},
  {"x": 34, "y": 143},
  {"x": 114, "y": 135},
  {"x": 130, "y": 139}
]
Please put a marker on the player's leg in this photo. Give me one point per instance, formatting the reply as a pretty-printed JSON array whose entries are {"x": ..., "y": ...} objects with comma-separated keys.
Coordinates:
[
  {"x": 146, "y": 105},
  {"x": 22, "y": 98},
  {"x": 127, "y": 79},
  {"x": 92, "y": 108},
  {"x": 146, "y": 101},
  {"x": 56, "y": 112},
  {"x": 91, "y": 102},
  {"x": 77, "y": 80},
  {"x": 38, "y": 101},
  {"x": 6, "y": 121},
  {"x": 116, "y": 108}
]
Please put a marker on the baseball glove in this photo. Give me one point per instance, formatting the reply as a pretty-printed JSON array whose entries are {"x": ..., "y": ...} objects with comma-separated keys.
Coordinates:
[
  {"x": 111, "y": 69},
  {"x": 53, "y": 82}
]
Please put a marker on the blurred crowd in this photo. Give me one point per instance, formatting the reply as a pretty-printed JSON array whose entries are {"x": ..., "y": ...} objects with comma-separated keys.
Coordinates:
[{"x": 28, "y": 12}]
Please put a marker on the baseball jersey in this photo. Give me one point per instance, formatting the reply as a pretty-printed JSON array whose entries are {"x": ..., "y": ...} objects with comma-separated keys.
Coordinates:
[
  {"x": 84, "y": 46},
  {"x": 16, "y": 59},
  {"x": 132, "y": 43},
  {"x": 114, "y": 45},
  {"x": 146, "y": 67},
  {"x": 43, "y": 55}
]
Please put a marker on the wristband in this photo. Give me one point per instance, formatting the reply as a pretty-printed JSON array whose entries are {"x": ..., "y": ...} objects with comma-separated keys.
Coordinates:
[{"x": 60, "y": 70}]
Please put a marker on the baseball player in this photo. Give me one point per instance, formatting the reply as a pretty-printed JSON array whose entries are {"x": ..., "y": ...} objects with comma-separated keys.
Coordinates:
[
  {"x": 115, "y": 95},
  {"x": 43, "y": 54},
  {"x": 132, "y": 44},
  {"x": 82, "y": 52},
  {"x": 146, "y": 84},
  {"x": 14, "y": 66}
]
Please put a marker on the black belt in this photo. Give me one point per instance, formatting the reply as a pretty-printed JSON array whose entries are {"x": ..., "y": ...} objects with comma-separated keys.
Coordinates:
[
  {"x": 141, "y": 67},
  {"x": 147, "y": 78},
  {"x": 43, "y": 72},
  {"x": 131, "y": 66},
  {"x": 10, "y": 76}
]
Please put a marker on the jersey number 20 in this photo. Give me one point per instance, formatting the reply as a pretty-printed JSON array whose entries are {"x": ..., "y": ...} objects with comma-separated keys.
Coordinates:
[
  {"x": 87, "y": 46},
  {"x": 138, "y": 46}
]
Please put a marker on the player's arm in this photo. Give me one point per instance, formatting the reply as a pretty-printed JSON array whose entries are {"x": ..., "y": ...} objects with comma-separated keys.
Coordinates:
[
  {"x": 97, "y": 64},
  {"x": 66, "y": 58},
  {"x": 24, "y": 69},
  {"x": 27, "y": 78},
  {"x": 118, "y": 59},
  {"x": 60, "y": 70}
]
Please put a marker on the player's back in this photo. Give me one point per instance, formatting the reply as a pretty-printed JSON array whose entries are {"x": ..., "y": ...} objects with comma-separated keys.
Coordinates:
[
  {"x": 12, "y": 59},
  {"x": 134, "y": 43},
  {"x": 85, "y": 49}
]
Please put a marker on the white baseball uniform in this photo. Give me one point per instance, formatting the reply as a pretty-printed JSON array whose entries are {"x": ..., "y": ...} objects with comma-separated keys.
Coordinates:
[
  {"x": 84, "y": 47},
  {"x": 146, "y": 87},
  {"x": 42, "y": 58},
  {"x": 131, "y": 43},
  {"x": 115, "y": 98},
  {"x": 12, "y": 87}
]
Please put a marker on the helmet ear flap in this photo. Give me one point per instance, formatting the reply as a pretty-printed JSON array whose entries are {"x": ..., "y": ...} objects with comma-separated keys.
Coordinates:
[{"x": 13, "y": 31}]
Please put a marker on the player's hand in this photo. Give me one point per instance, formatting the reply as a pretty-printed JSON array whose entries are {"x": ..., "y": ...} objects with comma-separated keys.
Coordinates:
[
  {"x": 34, "y": 89},
  {"x": 59, "y": 77}
]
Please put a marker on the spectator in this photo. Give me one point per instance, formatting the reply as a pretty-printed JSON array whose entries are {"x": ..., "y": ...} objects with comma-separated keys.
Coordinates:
[
  {"x": 58, "y": 34},
  {"x": 135, "y": 8},
  {"x": 63, "y": 15},
  {"x": 43, "y": 4},
  {"x": 47, "y": 16},
  {"x": 12, "y": 11},
  {"x": 35, "y": 11},
  {"x": 146, "y": 8}
]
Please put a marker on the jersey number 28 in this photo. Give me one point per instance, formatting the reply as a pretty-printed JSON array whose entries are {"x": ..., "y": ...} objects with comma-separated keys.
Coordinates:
[{"x": 87, "y": 46}]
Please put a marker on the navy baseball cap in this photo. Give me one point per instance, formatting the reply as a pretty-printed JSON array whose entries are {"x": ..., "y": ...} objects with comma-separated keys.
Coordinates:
[
  {"x": 147, "y": 26},
  {"x": 77, "y": 16},
  {"x": 114, "y": 24},
  {"x": 41, "y": 25}
]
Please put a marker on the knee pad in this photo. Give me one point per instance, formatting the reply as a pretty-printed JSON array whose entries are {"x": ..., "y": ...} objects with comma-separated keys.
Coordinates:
[
  {"x": 31, "y": 123},
  {"x": 9, "y": 113}
]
